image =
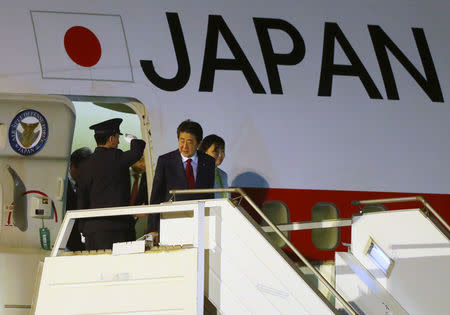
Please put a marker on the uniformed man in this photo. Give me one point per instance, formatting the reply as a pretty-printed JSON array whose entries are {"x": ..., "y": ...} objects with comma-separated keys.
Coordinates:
[{"x": 105, "y": 182}]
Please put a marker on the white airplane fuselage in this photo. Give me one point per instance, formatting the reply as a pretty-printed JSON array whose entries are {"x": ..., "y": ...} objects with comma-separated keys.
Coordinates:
[{"x": 317, "y": 101}]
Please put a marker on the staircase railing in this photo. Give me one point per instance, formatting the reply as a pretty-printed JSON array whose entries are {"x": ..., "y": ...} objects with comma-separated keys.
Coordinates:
[
  {"x": 239, "y": 191},
  {"x": 405, "y": 199}
]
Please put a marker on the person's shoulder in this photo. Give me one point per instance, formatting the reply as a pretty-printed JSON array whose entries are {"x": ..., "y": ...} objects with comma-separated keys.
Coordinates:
[
  {"x": 113, "y": 152},
  {"x": 89, "y": 161},
  {"x": 170, "y": 155},
  {"x": 168, "y": 158},
  {"x": 222, "y": 172},
  {"x": 206, "y": 157},
  {"x": 100, "y": 152}
]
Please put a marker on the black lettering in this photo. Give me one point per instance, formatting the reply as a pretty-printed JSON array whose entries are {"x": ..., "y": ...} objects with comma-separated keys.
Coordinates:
[
  {"x": 430, "y": 84},
  {"x": 184, "y": 67},
  {"x": 211, "y": 63},
  {"x": 329, "y": 69},
  {"x": 272, "y": 59}
]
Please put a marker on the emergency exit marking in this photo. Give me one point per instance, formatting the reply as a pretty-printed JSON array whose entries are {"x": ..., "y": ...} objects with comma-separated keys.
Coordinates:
[{"x": 8, "y": 218}]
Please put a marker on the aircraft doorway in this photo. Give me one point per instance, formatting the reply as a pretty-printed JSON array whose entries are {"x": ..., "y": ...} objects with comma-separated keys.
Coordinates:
[
  {"x": 92, "y": 110},
  {"x": 89, "y": 113}
]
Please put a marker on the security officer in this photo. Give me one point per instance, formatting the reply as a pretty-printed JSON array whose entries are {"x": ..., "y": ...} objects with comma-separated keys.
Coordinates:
[{"x": 105, "y": 182}]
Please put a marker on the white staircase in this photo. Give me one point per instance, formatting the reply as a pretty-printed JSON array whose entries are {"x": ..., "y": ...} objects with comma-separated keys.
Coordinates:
[
  {"x": 418, "y": 254},
  {"x": 398, "y": 264},
  {"x": 245, "y": 273},
  {"x": 242, "y": 272}
]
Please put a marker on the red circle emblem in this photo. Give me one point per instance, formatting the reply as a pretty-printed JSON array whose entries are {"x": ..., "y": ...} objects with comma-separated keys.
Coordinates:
[{"x": 82, "y": 46}]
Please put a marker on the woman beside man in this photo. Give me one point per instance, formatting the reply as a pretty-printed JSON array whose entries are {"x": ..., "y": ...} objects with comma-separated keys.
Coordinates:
[{"x": 214, "y": 146}]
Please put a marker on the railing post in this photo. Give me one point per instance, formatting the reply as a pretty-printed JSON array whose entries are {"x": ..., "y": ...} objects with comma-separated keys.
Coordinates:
[{"x": 200, "y": 257}]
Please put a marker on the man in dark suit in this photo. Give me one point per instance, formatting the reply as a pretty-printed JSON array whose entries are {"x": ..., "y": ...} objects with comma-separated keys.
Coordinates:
[
  {"x": 184, "y": 168},
  {"x": 105, "y": 182},
  {"x": 76, "y": 158}
]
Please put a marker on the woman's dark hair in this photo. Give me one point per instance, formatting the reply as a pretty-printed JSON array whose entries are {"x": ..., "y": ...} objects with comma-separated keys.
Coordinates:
[{"x": 209, "y": 141}]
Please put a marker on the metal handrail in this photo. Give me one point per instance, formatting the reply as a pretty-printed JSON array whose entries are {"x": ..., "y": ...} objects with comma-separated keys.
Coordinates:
[
  {"x": 72, "y": 215},
  {"x": 324, "y": 281},
  {"x": 310, "y": 225},
  {"x": 404, "y": 199}
]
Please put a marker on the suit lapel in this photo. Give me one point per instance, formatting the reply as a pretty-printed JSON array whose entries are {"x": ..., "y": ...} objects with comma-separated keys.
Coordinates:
[
  {"x": 181, "y": 174},
  {"x": 200, "y": 168}
]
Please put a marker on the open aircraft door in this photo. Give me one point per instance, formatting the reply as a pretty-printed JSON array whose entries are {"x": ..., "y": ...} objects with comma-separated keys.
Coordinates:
[
  {"x": 36, "y": 134},
  {"x": 131, "y": 106}
]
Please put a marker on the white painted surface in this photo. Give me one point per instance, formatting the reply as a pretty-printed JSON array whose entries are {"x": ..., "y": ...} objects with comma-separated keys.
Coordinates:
[
  {"x": 20, "y": 251},
  {"x": 3, "y": 136},
  {"x": 332, "y": 141},
  {"x": 39, "y": 172},
  {"x": 420, "y": 280},
  {"x": 148, "y": 283},
  {"x": 359, "y": 287},
  {"x": 246, "y": 274},
  {"x": 114, "y": 64},
  {"x": 165, "y": 209},
  {"x": 200, "y": 245},
  {"x": 18, "y": 269}
]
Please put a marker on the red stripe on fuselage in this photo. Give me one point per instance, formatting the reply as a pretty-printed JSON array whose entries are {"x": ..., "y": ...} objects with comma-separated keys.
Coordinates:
[{"x": 301, "y": 202}]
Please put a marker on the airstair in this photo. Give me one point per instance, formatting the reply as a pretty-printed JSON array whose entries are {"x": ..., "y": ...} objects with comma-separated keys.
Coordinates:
[
  {"x": 398, "y": 262},
  {"x": 215, "y": 259}
]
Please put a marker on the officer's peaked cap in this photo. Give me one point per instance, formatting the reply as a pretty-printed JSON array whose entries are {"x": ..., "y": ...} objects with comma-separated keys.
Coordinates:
[{"x": 107, "y": 127}]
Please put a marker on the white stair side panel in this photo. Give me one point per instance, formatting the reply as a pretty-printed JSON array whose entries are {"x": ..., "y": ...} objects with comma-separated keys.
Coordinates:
[
  {"x": 421, "y": 255},
  {"x": 244, "y": 261},
  {"x": 243, "y": 287},
  {"x": 271, "y": 275},
  {"x": 361, "y": 288},
  {"x": 182, "y": 231},
  {"x": 152, "y": 282},
  {"x": 222, "y": 295},
  {"x": 18, "y": 269}
]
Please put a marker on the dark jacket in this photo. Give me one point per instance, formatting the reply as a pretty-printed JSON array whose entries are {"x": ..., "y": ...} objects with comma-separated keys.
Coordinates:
[
  {"x": 74, "y": 241},
  {"x": 170, "y": 174},
  {"x": 105, "y": 182},
  {"x": 142, "y": 197}
]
